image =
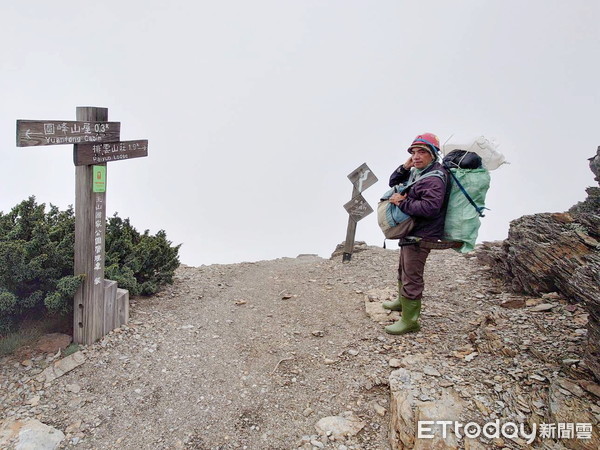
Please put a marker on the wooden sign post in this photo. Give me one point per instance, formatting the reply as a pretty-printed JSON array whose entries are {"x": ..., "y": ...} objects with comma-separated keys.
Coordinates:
[
  {"x": 113, "y": 151},
  {"x": 358, "y": 208},
  {"x": 90, "y": 231},
  {"x": 99, "y": 306}
]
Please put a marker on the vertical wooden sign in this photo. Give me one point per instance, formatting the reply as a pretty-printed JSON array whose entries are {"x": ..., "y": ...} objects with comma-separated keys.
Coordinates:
[
  {"x": 90, "y": 233},
  {"x": 100, "y": 306}
]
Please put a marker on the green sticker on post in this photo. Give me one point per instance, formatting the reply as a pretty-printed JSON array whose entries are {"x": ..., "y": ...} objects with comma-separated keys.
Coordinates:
[{"x": 99, "y": 178}]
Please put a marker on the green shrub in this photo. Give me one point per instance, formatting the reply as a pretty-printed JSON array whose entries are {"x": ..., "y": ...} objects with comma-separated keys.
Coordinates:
[
  {"x": 36, "y": 253},
  {"x": 140, "y": 263},
  {"x": 60, "y": 300},
  {"x": 124, "y": 276},
  {"x": 36, "y": 260},
  {"x": 8, "y": 307}
]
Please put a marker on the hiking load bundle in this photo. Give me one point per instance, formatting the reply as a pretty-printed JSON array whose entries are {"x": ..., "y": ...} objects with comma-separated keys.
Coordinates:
[
  {"x": 394, "y": 223},
  {"x": 466, "y": 201},
  {"x": 468, "y": 166},
  {"x": 486, "y": 149}
]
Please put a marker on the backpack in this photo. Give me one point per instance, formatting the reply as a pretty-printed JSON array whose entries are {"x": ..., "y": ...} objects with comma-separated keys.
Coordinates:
[
  {"x": 462, "y": 159},
  {"x": 394, "y": 223},
  {"x": 465, "y": 199},
  {"x": 470, "y": 182}
]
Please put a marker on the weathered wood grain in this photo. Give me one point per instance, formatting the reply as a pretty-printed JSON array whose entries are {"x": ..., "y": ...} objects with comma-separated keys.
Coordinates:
[
  {"x": 87, "y": 154},
  {"x": 90, "y": 220},
  {"x": 53, "y": 132},
  {"x": 122, "y": 307},
  {"x": 110, "y": 307}
]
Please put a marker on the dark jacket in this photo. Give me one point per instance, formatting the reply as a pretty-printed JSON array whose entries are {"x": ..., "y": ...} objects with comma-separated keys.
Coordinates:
[{"x": 426, "y": 201}]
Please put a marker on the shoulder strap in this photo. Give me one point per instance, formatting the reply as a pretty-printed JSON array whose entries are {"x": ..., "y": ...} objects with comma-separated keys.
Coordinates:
[
  {"x": 479, "y": 209},
  {"x": 433, "y": 173}
]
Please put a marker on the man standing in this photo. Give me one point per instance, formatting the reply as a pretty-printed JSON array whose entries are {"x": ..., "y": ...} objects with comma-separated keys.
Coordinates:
[{"x": 426, "y": 202}]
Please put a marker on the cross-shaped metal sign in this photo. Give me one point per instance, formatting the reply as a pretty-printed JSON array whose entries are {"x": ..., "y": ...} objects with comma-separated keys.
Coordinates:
[
  {"x": 362, "y": 177},
  {"x": 358, "y": 208}
]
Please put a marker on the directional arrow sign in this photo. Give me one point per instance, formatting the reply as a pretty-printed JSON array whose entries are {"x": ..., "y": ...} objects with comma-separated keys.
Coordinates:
[
  {"x": 362, "y": 178},
  {"x": 53, "y": 132},
  {"x": 89, "y": 154},
  {"x": 358, "y": 208}
]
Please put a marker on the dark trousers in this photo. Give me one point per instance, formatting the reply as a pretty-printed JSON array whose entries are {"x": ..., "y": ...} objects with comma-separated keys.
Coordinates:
[{"x": 411, "y": 269}]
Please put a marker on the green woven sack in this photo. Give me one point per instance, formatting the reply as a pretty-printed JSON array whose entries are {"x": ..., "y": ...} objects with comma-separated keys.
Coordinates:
[{"x": 462, "y": 220}]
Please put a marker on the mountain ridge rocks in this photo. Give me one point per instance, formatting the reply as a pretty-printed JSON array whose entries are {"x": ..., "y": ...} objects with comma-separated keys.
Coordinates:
[{"x": 556, "y": 252}]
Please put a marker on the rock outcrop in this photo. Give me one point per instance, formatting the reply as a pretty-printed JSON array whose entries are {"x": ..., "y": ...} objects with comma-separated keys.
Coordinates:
[
  {"x": 557, "y": 252},
  {"x": 407, "y": 412},
  {"x": 29, "y": 434},
  {"x": 359, "y": 246}
]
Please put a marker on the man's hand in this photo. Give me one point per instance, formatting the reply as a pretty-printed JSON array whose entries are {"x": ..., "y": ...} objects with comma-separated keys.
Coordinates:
[
  {"x": 396, "y": 199},
  {"x": 408, "y": 164}
]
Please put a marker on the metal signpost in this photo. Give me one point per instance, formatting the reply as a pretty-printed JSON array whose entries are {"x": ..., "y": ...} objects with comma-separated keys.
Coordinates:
[
  {"x": 358, "y": 208},
  {"x": 99, "y": 305}
]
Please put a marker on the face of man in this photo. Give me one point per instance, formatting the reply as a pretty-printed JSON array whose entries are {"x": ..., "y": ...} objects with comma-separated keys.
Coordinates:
[{"x": 421, "y": 158}]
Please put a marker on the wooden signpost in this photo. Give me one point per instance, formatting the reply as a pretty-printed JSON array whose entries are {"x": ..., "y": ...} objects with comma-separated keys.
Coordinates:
[
  {"x": 52, "y": 132},
  {"x": 87, "y": 154},
  {"x": 99, "y": 305},
  {"x": 358, "y": 208}
]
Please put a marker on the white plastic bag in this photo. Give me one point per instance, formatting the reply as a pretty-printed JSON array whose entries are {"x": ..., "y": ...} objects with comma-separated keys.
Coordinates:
[
  {"x": 491, "y": 158},
  {"x": 486, "y": 148}
]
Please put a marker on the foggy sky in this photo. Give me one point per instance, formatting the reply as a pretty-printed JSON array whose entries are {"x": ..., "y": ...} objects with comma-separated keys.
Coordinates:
[{"x": 256, "y": 112}]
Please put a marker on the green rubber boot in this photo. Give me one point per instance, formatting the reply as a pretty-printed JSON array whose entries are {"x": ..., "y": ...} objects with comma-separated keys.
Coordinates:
[
  {"x": 396, "y": 305},
  {"x": 409, "y": 322}
]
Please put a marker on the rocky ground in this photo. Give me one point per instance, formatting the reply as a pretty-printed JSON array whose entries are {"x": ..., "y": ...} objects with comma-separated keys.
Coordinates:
[{"x": 256, "y": 355}]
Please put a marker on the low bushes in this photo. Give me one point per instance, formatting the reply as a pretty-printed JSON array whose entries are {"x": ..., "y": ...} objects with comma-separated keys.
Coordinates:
[{"x": 36, "y": 260}]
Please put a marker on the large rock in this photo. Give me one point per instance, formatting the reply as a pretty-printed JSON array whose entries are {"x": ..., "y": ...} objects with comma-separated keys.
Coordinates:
[
  {"x": 340, "y": 427},
  {"x": 557, "y": 252},
  {"x": 447, "y": 408},
  {"x": 29, "y": 434},
  {"x": 374, "y": 305},
  {"x": 406, "y": 411},
  {"x": 566, "y": 407},
  {"x": 359, "y": 246},
  {"x": 403, "y": 427},
  {"x": 548, "y": 253},
  {"x": 53, "y": 342},
  {"x": 60, "y": 367}
]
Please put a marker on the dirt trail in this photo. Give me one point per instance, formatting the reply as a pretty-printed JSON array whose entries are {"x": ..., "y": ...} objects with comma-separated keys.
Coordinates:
[{"x": 252, "y": 355}]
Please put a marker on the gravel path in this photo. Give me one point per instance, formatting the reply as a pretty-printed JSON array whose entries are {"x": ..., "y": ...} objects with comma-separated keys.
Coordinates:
[{"x": 252, "y": 355}]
